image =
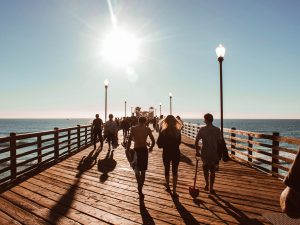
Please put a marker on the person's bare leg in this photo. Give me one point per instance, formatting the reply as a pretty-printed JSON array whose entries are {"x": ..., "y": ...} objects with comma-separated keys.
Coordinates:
[
  {"x": 206, "y": 175},
  {"x": 167, "y": 177},
  {"x": 138, "y": 178},
  {"x": 142, "y": 180},
  {"x": 175, "y": 177},
  {"x": 212, "y": 181}
]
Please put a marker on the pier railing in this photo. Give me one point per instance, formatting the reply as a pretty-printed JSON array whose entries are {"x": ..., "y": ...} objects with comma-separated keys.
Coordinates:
[
  {"x": 270, "y": 153},
  {"x": 22, "y": 154}
]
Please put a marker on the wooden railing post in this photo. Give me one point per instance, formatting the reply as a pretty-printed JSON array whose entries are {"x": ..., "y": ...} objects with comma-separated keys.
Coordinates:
[
  {"x": 56, "y": 145},
  {"x": 85, "y": 130},
  {"x": 275, "y": 152},
  {"x": 78, "y": 137},
  {"x": 39, "y": 145},
  {"x": 13, "y": 156},
  {"x": 69, "y": 141},
  {"x": 233, "y": 141},
  {"x": 91, "y": 135},
  {"x": 250, "y": 145}
]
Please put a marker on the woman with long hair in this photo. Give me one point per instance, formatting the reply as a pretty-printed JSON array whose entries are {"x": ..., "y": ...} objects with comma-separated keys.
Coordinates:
[{"x": 169, "y": 139}]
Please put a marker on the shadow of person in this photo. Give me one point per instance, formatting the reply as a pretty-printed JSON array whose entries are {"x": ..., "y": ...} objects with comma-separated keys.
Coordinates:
[
  {"x": 87, "y": 162},
  {"x": 187, "y": 217},
  {"x": 241, "y": 217},
  {"x": 63, "y": 205},
  {"x": 199, "y": 202},
  {"x": 188, "y": 144},
  {"x": 184, "y": 158},
  {"x": 106, "y": 165},
  {"x": 146, "y": 217}
]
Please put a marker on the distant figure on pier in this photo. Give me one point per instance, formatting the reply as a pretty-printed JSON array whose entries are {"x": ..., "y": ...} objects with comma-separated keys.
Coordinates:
[
  {"x": 290, "y": 197},
  {"x": 139, "y": 135},
  {"x": 97, "y": 127},
  {"x": 161, "y": 117},
  {"x": 180, "y": 120},
  {"x": 110, "y": 131},
  {"x": 169, "y": 139},
  {"x": 210, "y": 136}
]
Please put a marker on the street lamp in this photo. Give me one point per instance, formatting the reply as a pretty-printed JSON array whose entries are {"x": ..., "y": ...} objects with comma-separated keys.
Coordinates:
[
  {"x": 159, "y": 109},
  {"x": 170, "y": 94},
  {"x": 220, "y": 51},
  {"x": 125, "y": 107},
  {"x": 106, "y": 82}
]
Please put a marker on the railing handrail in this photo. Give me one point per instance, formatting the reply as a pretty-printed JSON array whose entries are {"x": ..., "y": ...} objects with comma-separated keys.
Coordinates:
[
  {"x": 289, "y": 140},
  {"x": 241, "y": 148},
  {"x": 39, "y": 149}
]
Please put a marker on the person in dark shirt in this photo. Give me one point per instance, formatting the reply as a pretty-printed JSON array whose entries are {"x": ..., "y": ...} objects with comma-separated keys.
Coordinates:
[
  {"x": 169, "y": 139},
  {"x": 97, "y": 130},
  {"x": 290, "y": 197}
]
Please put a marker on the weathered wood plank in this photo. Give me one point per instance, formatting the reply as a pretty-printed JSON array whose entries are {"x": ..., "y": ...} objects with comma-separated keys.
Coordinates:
[{"x": 93, "y": 188}]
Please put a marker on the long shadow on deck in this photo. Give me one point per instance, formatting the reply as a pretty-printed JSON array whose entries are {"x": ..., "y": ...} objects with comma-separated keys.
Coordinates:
[
  {"x": 241, "y": 217},
  {"x": 187, "y": 217},
  {"x": 106, "y": 165},
  {"x": 185, "y": 159},
  {"x": 146, "y": 217},
  {"x": 63, "y": 205}
]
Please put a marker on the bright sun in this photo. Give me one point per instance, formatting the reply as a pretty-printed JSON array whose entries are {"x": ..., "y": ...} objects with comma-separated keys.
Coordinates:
[{"x": 120, "y": 48}]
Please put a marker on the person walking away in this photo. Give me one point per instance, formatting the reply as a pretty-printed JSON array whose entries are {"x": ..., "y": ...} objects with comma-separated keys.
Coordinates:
[
  {"x": 169, "y": 139},
  {"x": 159, "y": 122},
  {"x": 290, "y": 197},
  {"x": 139, "y": 135},
  {"x": 180, "y": 120},
  {"x": 110, "y": 131},
  {"x": 211, "y": 136},
  {"x": 97, "y": 130}
]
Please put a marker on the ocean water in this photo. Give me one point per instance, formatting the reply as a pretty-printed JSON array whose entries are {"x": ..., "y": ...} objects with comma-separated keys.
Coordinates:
[
  {"x": 286, "y": 127},
  {"x": 35, "y": 125}
]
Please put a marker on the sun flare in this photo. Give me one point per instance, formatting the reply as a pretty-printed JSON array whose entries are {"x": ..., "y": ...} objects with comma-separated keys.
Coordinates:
[{"x": 120, "y": 48}]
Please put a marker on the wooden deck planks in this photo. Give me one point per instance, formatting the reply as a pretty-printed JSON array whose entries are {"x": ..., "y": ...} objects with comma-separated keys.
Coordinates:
[{"x": 92, "y": 187}]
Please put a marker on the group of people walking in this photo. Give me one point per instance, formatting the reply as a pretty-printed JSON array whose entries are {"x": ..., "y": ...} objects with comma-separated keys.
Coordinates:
[{"x": 169, "y": 139}]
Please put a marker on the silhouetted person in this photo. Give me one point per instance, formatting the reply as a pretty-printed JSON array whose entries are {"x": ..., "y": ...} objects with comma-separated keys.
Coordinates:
[
  {"x": 210, "y": 136},
  {"x": 110, "y": 131},
  {"x": 97, "y": 130},
  {"x": 290, "y": 197},
  {"x": 170, "y": 139},
  {"x": 139, "y": 135},
  {"x": 180, "y": 120},
  {"x": 161, "y": 117}
]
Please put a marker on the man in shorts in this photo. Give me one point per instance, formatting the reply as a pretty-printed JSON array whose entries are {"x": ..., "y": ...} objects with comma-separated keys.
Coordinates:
[
  {"x": 139, "y": 135},
  {"x": 110, "y": 131},
  {"x": 210, "y": 136},
  {"x": 97, "y": 130}
]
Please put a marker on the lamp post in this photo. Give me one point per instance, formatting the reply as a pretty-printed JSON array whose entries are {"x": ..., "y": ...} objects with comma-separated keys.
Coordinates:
[
  {"x": 170, "y": 94},
  {"x": 125, "y": 107},
  {"x": 155, "y": 112},
  {"x": 220, "y": 51},
  {"x": 106, "y": 82},
  {"x": 131, "y": 110},
  {"x": 159, "y": 109}
]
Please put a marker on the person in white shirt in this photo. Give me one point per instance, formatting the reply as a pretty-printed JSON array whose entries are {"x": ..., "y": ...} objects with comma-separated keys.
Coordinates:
[{"x": 210, "y": 136}]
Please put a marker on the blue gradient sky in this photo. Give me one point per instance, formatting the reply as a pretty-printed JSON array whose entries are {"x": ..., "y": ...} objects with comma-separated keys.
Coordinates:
[{"x": 50, "y": 64}]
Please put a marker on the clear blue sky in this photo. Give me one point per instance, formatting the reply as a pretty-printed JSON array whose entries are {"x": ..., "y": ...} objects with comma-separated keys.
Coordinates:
[{"x": 50, "y": 64}]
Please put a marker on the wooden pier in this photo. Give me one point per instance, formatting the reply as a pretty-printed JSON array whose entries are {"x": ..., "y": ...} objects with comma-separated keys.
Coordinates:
[{"x": 99, "y": 187}]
